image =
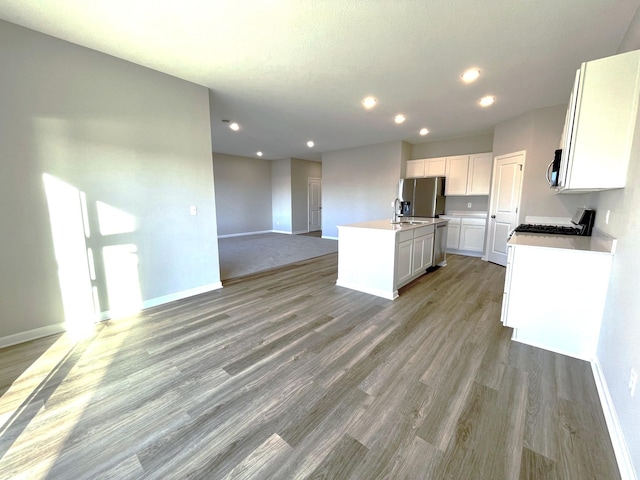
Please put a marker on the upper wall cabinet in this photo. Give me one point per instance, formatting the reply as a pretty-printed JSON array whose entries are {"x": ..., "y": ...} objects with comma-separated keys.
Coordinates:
[
  {"x": 468, "y": 174},
  {"x": 600, "y": 126},
  {"x": 426, "y": 167}
]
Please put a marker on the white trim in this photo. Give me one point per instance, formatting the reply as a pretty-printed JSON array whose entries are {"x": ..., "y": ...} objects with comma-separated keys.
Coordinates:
[
  {"x": 29, "y": 335},
  {"x": 106, "y": 315},
  {"x": 329, "y": 237},
  {"x": 389, "y": 295},
  {"x": 154, "y": 302},
  {"x": 613, "y": 424},
  {"x": 297, "y": 232},
  {"x": 245, "y": 233}
]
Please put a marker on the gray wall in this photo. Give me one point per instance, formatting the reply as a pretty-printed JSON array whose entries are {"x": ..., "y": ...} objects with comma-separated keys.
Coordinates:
[
  {"x": 243, "y": 194},
  {"x": 538, "y": 132},
  {"x": 134, "y": 139},
  {"x": 360, "y": 184},
  {"x": 619, "y": 346},
  {"x": 301, "y": 170},
  {"x": 281, "y": 195},
  {"x": 453, "y": 146}
]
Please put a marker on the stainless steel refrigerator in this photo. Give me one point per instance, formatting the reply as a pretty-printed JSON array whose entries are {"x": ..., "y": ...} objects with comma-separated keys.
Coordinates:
[{"x": 422, "y": 197}]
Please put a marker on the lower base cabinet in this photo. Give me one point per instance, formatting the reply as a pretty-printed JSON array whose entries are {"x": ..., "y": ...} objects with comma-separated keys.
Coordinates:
[
  {"x": 559, "y": 309},
  {"x": 404, "y": 260},
  {"x": 465, "y": 235},
  {"x": 422, "y": 253}
]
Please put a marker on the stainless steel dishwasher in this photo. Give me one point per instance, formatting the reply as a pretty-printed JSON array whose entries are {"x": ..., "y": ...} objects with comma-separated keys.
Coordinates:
[{"x": 440, "y": 244}]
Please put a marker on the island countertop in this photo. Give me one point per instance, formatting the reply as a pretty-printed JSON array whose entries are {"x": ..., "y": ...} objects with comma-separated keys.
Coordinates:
[{"x": 408, "y": 223}]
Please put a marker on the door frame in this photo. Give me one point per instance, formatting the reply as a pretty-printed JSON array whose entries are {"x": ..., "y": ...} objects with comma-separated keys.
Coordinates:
[
  {"x": 492, "y": 195},
  {"x": 315, "y": 180}
]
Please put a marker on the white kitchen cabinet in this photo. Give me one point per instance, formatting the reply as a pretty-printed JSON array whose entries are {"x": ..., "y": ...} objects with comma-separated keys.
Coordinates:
[
  {"x": 426, "y": 167},
  {"x": 457, "y": 172},
  {"x": 422, "y": 253},
  {"x": 479, "y": 178},
  {"x": 415, "y": 168},
  {"x": 466, "y": 233},
  {"x": 601, "y": 123},
  {"x": 405, "y": 261},
  {"x": 435, "y": 167},
  {"x": 472, "y": 234},
  {"x": 468, "y": 174},
  {"x": 554, "y": 297},
  {"x": 453, "y": 233}
]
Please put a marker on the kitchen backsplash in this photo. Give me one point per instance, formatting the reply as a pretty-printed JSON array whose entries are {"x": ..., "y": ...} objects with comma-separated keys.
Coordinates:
[{"x": 478, "y": 203}]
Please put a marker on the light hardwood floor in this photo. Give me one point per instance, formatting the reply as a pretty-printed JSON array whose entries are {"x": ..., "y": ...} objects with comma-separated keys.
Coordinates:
[{"x": 283, "y": 375}]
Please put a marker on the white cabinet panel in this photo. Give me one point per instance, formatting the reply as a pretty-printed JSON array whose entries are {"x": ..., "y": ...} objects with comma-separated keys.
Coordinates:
[
  {"x": 457, "y": 171},
  {"x": 601, "y": 124},
  {"x": 472, "y": 234},
  {"x": 435, "y": 167},
  {"x": 405, "y": 257},
  {"x": 453, "y": 236},
  {"x": 415, "y": 168},
  {"x": 568, "y": 323},
  {"x": 469, "y": 174},
  {"x": 479, "y": 177},
  {"x": 422, "y": 253}
]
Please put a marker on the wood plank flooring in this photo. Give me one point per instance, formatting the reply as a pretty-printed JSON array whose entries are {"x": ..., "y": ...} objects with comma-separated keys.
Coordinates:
[{"x": 284, "y": 375}]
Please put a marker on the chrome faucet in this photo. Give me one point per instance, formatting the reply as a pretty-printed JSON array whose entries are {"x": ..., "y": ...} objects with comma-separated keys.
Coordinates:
[{"x": 396, "y": 207}]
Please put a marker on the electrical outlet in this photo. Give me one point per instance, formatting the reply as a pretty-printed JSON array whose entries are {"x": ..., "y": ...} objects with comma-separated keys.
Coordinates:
[
  {"x": 633, "y": 379},
  {"x": 469, "y": 205},
  {"x": 193, "y": 210}
]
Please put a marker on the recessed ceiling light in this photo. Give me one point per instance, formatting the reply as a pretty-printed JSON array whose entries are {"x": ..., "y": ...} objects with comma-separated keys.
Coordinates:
[
  {"x": 259, "y": 154},
  {"x": 424, "y": 131},
  {"x": 310, "y": 144},
  {"x": 234, "y": 126},
  {"x": 369, "y": 102},
  {"x": 486, "y": 101},
  {"x": 399, "y": 118},
  {"x": 470, "y": 75}
]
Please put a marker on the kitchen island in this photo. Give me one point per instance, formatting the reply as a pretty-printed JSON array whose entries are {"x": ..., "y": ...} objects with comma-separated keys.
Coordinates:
[{"x": 379, "y": 257}]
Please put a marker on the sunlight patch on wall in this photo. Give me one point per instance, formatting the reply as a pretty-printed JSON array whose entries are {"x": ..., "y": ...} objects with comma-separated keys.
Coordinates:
[
  {"x": 123, "y": 284},
  {"x": 112, "y": 220},
  {"x": 69, "y": 243}
]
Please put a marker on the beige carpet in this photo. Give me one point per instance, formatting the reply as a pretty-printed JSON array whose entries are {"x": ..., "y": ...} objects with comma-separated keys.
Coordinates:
[{"x": 241, "y": 256}]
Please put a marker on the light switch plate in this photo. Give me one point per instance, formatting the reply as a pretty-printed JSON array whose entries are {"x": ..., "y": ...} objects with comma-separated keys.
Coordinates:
[{"x": 193, "y": 210}]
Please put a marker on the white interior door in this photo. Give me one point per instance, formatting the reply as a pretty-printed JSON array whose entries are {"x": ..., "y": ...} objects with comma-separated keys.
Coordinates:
[
  {"x": 505, "y": 204},
  {"x": 315, "y": 204}
]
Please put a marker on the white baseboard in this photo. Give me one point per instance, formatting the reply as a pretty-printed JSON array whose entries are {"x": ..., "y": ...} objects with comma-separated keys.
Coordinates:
[
  {"x": 329, "y": 237},
  {"x": 31, "y": 335},
  {"x": 281, "y": 231},
  {"x": 106, "y": 315},
  {"x": 154, "y": 302},
  {"x": 229, "y": 235},
  {"x": 620, "y": 448}
]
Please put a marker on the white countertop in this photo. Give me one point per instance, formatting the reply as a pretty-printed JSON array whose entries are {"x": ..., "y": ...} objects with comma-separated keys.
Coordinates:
[
  {"x": 395, "y": 227},
  {"x": 465, "y": 213},
  {"x": 598, "y": 242}
]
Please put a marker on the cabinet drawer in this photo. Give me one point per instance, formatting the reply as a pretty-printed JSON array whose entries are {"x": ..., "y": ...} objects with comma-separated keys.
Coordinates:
[
  {"x": 405, "y": 235},
  {"x": 420, "y": 231}
]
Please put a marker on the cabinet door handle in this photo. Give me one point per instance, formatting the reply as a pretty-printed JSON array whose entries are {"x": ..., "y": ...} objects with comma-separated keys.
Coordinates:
[{"x": 493, "y": 216}]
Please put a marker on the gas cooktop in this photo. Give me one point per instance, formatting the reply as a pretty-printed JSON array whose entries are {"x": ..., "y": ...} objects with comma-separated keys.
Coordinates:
[{"x": 548, "y": 229}]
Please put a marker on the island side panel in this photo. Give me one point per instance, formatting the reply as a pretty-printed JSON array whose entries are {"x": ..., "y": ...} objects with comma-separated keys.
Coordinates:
[{"x": 366, "y": 260}]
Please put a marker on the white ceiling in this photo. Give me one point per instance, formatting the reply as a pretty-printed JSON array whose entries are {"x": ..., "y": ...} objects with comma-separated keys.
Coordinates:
[{"x": 293, "y": 70}]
